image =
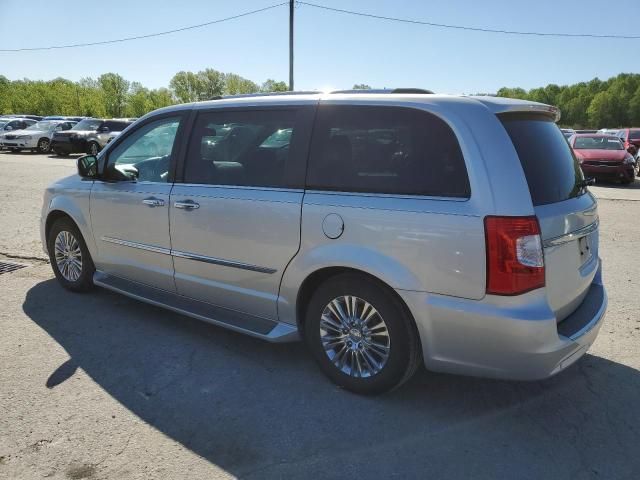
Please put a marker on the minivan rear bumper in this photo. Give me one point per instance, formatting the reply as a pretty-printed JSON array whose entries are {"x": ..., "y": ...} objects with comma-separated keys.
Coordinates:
[{"x": 514, "y": 338}]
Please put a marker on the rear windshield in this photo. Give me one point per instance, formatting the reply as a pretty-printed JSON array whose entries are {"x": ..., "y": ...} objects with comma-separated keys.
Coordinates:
[{"x": 552, "y": 171}]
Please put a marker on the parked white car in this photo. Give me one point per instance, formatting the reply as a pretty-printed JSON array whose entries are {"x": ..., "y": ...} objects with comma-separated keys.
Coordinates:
[{"x": 37, "y": 137}]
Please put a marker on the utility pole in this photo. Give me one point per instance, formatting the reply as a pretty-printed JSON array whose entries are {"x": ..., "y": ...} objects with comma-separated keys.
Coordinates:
[{"x": 291, "y": 5}]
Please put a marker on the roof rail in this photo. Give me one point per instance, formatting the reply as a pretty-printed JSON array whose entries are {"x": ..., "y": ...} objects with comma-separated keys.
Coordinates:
[
  {"x": 387, "y": 90},
  {"x": 316, "y": 92},
  {"x": 266, "y": 94}
]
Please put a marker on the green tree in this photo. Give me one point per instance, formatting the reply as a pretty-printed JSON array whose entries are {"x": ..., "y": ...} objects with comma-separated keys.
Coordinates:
[
  {"x": 361, "y": 86},
  {"x": 210, "y": 84},
  {"x": 271, "y": 85},
  {"x": 601, "y": 111},
  {"x": 234, "y": 84},
  {"x": 161, "y": 97},
  {"x": 186, "y": 86},
  {"x": 139, "y": 101},
  {"x": 115, "y": 90}
]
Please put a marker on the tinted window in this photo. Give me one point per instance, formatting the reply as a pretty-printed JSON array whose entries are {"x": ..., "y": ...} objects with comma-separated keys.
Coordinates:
[
  {"x": 634, "y": 135},
  {"x": 385, "y": 150},
  {"x": 244, "y": 148},
  {"x": 145, "y": 154},
  {"x": 88, "y": 124},
  {"x": 115, "y": 126},
  {"x": 552, "y": 172}
]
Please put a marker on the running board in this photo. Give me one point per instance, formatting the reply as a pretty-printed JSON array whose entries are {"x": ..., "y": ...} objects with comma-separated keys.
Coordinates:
[{"x": 269, "y": 330}]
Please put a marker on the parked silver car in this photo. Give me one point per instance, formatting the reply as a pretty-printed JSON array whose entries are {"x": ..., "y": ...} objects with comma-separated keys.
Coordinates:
[
  {"x": 385, "y": 229},
  {"x": 36, "y": 137}
]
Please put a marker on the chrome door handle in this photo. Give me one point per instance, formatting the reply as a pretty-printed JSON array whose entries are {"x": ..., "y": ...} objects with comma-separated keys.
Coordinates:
[
  {"x": 187, "y": 205},
  {"x": 153, "y": 202}
]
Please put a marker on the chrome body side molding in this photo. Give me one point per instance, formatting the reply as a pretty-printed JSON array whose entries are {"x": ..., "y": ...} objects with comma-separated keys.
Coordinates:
[{"x": 189, "y": 256}]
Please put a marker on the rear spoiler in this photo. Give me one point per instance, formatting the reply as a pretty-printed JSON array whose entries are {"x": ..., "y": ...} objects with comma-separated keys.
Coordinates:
[{"x": 507, "y": 106}]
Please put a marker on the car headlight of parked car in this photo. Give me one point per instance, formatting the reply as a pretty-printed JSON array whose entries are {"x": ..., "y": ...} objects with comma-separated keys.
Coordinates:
[
  {"x": 24, "y": 137},
  {"x": 629, "y": 159}
]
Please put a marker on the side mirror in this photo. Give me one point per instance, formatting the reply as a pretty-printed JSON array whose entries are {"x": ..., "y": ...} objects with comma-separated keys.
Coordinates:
[
  {"x": 87, "y": 166},
  {"x": 8, "y": 128},
  {"x": 103, "y": 130}
]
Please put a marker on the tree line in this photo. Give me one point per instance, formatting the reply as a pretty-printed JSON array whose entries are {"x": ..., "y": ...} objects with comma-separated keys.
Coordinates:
[
  {"x": 111, "y": 95},
  {"x": 595, "y": 104},
  {"x": 611, "y": 103}
]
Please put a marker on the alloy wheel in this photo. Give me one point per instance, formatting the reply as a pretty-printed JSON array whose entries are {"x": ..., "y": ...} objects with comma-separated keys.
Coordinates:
[
  {"x": 68, "y": 256},
  {"x": 354, "y": 336},
  {"x": 43, "y": 145}
]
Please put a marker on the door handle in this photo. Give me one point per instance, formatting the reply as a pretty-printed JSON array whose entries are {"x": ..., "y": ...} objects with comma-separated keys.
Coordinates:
[
  {"x": 153, "y": 202},
  {"x": 187, "y": 205}
]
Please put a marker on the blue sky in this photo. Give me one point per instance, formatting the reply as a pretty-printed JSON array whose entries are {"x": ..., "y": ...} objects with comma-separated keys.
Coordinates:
[{"x": 332, "y": 50}]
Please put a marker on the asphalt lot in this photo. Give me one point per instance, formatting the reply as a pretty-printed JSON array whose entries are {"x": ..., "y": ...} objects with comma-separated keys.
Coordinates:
[{"x": 99, "y": 386}]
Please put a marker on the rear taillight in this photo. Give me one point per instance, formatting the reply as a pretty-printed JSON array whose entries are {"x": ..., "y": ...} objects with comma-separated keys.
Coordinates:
[{"x": 515, "y": 261}]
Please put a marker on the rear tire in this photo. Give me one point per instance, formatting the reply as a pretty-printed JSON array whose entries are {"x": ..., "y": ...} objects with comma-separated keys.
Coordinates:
[
  {"x": 93, "y": 148},
  {"x": 70, "y": 259},
  {"x": 349, "y": 342}
]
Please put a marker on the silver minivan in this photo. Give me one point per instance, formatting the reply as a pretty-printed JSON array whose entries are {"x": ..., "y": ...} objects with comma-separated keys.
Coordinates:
[{"x": 384, "y": 229}]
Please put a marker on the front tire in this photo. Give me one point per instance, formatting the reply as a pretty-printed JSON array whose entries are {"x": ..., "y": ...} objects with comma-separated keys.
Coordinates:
[
  {"x": 69, "y": 256},
  {"x": 361, "y": 334},
  {"x": 44, "y": 145}
]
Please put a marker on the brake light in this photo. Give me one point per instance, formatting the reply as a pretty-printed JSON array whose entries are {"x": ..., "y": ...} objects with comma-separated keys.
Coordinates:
[{"x": 515, "y": 261}]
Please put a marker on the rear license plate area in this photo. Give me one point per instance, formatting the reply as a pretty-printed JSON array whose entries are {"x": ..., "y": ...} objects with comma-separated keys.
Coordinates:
[{"x": 584, "y": 246}]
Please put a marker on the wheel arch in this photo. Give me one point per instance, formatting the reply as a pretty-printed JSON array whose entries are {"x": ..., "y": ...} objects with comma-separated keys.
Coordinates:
[
  {"x": 61, "y": 207},
  {"x": 321, "y": 275}
]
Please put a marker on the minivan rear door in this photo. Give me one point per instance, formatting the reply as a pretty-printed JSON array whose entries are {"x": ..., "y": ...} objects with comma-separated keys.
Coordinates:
[{"x": 567, "y": 212}]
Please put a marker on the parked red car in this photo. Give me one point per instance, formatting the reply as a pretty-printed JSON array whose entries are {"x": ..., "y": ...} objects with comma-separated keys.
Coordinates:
[
  {"x": 603, "y": 156},
  {"x": 631, "y": 139}
]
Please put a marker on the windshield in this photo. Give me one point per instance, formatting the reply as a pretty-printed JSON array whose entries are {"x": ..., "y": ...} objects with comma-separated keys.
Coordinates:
[
  {"x": 3, "y": 122},
  {"x": 597, "y": 143},
  {"x": 42, "y": 126},
  {"x": 88, "y": 124}
]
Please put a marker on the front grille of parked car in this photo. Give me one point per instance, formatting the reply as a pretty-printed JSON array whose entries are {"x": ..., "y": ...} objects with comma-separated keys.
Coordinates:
[{"x": 10, "y": 137}]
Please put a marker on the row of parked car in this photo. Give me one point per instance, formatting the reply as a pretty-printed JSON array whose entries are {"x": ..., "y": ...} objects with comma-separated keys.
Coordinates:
[
  {"x": 62, "y": 135},
  {"x": 607, "y": 154}
]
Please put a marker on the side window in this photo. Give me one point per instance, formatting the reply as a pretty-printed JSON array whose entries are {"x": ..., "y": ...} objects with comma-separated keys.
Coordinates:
[
  {"x": 389, "y": 150},
  {"x": 145, "y": 154},
  {"x": 244, "y": 148},
  {"x": 115, "y": 126}
]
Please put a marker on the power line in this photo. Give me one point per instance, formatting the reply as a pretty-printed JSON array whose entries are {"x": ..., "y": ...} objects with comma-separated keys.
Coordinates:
[
  {"x": 336, "y": 10},
  {"x": 150, "y": 35},
  {"x": 463, "y": 27}
]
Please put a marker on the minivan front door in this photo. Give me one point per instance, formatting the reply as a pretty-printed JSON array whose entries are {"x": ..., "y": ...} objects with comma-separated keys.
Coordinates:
[
  {"x": 130, "y": 207},
  {"x": 235, "y": 218}
]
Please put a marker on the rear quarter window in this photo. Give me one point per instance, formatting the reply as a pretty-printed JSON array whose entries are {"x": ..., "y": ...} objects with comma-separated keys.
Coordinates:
[
  {"x": 387, "y": 150},
  {"x": 552, "y": 171}
]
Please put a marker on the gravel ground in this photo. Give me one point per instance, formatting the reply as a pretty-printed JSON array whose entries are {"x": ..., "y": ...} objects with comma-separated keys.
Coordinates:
[{"x": 98, "y": 386}]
